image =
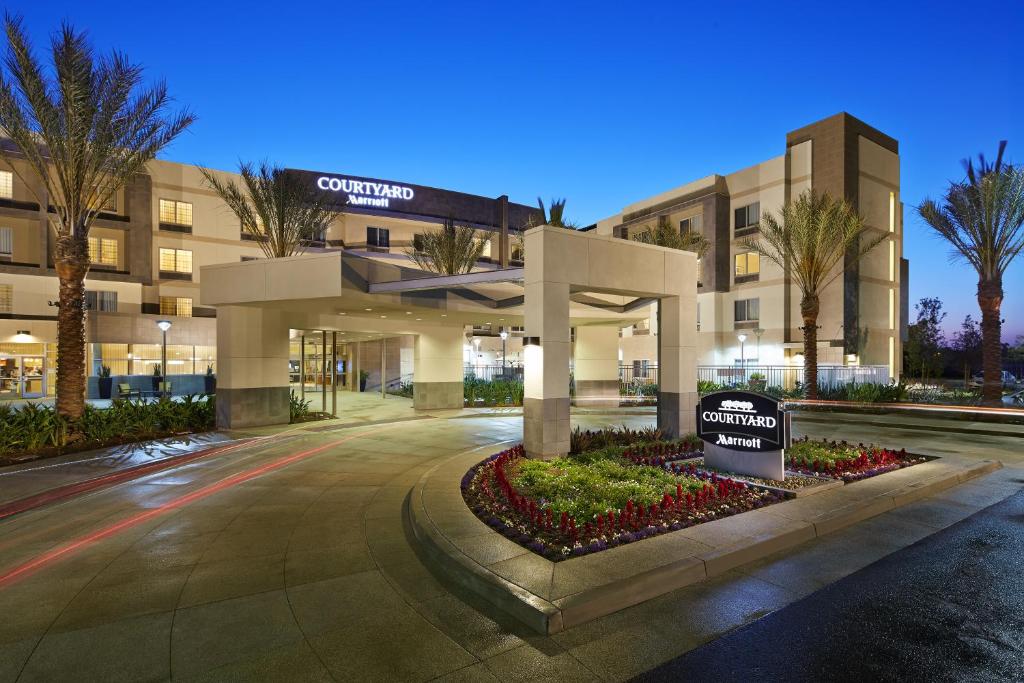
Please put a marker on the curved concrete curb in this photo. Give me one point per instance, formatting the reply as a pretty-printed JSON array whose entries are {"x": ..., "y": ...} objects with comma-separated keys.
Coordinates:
[{"x": 550, "y": 597}]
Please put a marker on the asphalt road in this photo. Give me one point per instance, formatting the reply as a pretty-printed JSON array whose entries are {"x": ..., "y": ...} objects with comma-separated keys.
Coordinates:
[{"x": 948, "y": 608}]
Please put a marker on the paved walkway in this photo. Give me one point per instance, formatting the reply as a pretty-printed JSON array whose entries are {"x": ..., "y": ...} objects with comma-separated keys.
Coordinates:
[{"x": 290, "y": 560}]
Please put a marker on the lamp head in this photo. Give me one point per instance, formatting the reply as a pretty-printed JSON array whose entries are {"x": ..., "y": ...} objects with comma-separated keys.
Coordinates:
[
  {"x": 742, "y": 338},
  {"x": 164, "y": 325},
  {"x": 504, "y": 334}
]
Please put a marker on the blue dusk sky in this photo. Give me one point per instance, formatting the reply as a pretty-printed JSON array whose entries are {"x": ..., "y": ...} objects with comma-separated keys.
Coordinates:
[{"x": 603, "y": 104}]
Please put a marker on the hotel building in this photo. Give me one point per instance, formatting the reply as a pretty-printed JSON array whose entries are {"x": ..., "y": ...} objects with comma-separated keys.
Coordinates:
[{"x": 154, "y": 236}]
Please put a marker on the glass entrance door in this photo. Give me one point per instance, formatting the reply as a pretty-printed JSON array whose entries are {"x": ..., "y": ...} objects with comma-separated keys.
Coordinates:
[
  {"x": 33, "y": 372},
  {"x": 10, "y": 383}
]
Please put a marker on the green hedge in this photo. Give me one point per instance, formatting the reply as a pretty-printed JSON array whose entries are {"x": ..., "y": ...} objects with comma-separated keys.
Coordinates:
[
  {"x": 34, "y": 427},
  {"x": 492, "y": 393}
]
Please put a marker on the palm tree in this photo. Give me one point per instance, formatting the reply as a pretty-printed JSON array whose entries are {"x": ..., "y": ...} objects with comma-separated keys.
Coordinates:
[
  {"x": 84, "y": 130},
  {"x": 278, "y": 207},
  {"x": 452, "y": 250},
  {"x": 811, "y": 238},
  {"x": 555, "y": 216},
  {"x": 982, "y": 217},
  {"x": 664, "y": 234}
]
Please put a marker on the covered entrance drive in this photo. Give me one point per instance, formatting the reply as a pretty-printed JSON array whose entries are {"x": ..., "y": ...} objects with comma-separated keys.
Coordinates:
[{"x": 595, "y": 284}]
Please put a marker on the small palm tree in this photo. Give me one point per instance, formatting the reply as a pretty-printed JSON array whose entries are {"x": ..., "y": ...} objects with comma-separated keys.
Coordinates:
[
  {"x": 85, "y": 129},
  {"x": 555, "y": 215},
  {"x": 811, "y": 237},
  {"x": 664, "y": 234},
  {"x": 982, "y": 217},
  {"x": 452, "y": 250},
  {"x": 280, "y": 208}
]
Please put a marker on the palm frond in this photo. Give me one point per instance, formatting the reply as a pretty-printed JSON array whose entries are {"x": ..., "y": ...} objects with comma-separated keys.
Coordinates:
[
  {"x": 664, "y": 234},
  {"x": 452, "y": 250}
]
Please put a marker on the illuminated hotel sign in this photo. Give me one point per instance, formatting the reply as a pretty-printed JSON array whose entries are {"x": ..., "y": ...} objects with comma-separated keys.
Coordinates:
[
  {"x": 742, "y": 421},
  {"x": 364, "y": 192}
]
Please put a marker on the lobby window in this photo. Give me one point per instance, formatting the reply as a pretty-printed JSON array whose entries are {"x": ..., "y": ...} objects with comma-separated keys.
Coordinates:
[
  {"x": 176, "y": 305},
  {"x": 175, "y": 261},
  {"x": 101, "y": 301},
  {"x": 6, "y": 185},
  {"x": 6, "y": 244},
  {"x": 747, "y": 218},
  {"x": 691, "y": 224},
  {"x": 6, "y": 298},
  {"x": 747, "y": 266},
  {"x": 747, "y": 310},
  {"x": 103, "y": 251},
  {"x": 378, "y": 237},
  {"x": 173, "y": 212}
]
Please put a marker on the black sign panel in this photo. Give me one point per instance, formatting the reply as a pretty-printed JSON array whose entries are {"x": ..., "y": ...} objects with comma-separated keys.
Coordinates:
[{"x": 742, "y": 421}]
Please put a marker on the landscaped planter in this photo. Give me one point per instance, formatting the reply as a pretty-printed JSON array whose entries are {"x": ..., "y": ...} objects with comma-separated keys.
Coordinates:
[
  {"x": 840, "y": 460},
  {"x": 499, "y": 493}
]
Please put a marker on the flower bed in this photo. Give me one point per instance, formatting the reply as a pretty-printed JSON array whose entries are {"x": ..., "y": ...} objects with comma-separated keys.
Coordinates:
[
  {"x": 569, "y": 507},
  {"x": 840, "y": 460},
  {"x": 792, "y": 482}
]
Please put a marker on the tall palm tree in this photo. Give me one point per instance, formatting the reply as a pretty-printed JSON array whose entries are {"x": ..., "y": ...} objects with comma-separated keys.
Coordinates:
[
  {"x": 85, "y": 129},
  {"x": 452, "y": 250},
  {"x": 982, "y": 217},
  {"x": 555, "y": 214},
  {"x": 664, "y": 234},
  {"x": 811, "y": 237},
  {"x": 280, "y": 208}
]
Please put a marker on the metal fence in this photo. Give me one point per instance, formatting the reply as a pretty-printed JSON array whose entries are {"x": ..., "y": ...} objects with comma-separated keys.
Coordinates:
[
  {"x": 787, "y": 376},
  {"x": 490, "y": 373}
]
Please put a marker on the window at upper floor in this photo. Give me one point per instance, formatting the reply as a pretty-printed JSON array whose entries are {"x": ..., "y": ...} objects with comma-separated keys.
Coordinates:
[
  {"x": 101, "y": 301},
  {"x": 747, "y": 266},
  {"x": 6, "y": 298},
  {"x": 176, "y": 305},
  {"x": 747, "y": 310},
  {"x": 175, "y": 260},
  {"x": 110, "y": 206},
  {"x": 6, "y": 244},
  {"x": 103, "y": 251},
  {"x": 173, "y": 212},
  {"x": 6, "y": 185},
  {"x": 378, "y": 237},
  {"x": 747, "y": 218},
  {"x": 691, "y": 224}
]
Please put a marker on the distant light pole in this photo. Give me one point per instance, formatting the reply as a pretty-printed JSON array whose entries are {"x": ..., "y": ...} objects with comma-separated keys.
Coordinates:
[
  {"x": 164, "y": 325},
  {"x": 758, "y": 332},
  {"x": 504, "y": 337},
  {"x": 743, "y": 358}
]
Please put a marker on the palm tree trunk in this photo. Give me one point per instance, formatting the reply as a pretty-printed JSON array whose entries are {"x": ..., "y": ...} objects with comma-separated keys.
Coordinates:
[
  {"x": 809, "y": 311},
  {"x": 71, "y": 261},
  {"x": 990, "y": 300}
]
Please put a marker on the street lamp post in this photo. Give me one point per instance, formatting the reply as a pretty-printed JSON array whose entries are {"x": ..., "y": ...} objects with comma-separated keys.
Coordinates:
[
  {"x": 164, "y": 325},
  {"x": 757, "y": 333},
  {"x": 504, "y": 337},
  {"x": 743, "y": 358}
]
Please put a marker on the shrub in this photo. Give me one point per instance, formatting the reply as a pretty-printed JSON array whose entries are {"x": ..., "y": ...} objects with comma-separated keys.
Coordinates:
[
  {"x": 298, "y": 409},
  {"x": 498, "y": 392}
]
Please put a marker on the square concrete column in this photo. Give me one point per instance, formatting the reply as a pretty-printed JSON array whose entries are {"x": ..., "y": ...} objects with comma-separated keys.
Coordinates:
[
  {"x": 546, "y": 347},
  {"x": 596, "y": 365},
  {"x": 677, "y": 365},
  {"x": 252, "y": 367},
  {"x": 437, "y": 369}
]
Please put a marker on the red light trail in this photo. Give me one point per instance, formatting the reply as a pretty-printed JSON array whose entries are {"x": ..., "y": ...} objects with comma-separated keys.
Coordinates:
[{"x": 55, "y": 554}]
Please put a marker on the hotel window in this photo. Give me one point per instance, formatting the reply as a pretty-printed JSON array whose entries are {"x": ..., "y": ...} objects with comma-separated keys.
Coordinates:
[
  {"x": 6, "y": 298},
  {"x": 175, "y": 261},
  {"x": 101, "y": 301},
  {"x": 417, "y": 242},
  {"x": 691, "y": 224},
  {"x": 6, "y": 185},
  {"x": 110, "y": 206},
  {"x": 378, "y": 237},
  {"x": 641, "y": 368},
  {"x": 103, "y": 251},
  {"x": 747, "y": 310},
  {"x": 6, "y": 244},
  {"x": 175, "y": 213},
  {"x": 176, "y": 305},
  {"x": 747, "y": 266},
  {"x": 747, "y": 218}
]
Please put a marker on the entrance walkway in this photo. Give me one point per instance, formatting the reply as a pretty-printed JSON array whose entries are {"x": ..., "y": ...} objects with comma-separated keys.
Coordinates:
[{"x": 290, "y": 559}]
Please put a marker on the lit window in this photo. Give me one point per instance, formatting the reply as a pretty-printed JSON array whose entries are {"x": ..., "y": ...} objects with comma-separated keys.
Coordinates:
[
  {"x": 101, "y": 301},
  {"x": 6, "y": 298},
  {"x": 748, "y": 263},
  {"x": 748, "y": 217},
  {"x": 111, "y": 204},
  {"x": 175, "y": 260},
  {"x": 378, "y": 237},
  {"x": 6, "y": 243},
  {"x": 103, "y": 251},
  {"x": 175, "y": 212},
  {"x": 6, "y": 185},
  {"x": 747, "y": 310},
  {"x": 176, "y": 305}
]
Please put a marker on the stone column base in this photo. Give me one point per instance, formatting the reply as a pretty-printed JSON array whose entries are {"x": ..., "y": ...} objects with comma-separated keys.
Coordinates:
[
  {"x": 677, "y": 414},
  {"x": 252, "y": 407},
  {"x": 546, "y": 427},
  {"x": 597, "y": 392},
  {"x": 437, "y": 395}
]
